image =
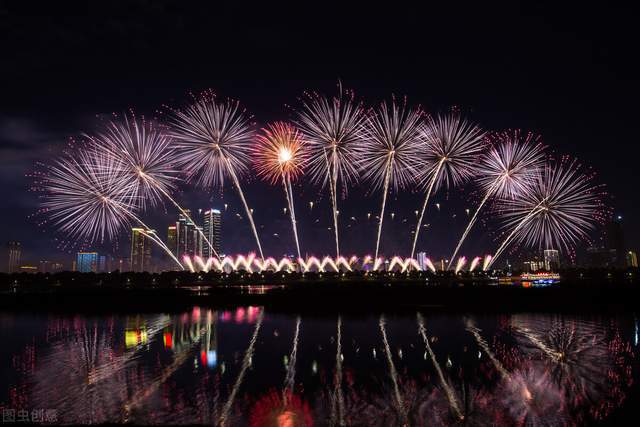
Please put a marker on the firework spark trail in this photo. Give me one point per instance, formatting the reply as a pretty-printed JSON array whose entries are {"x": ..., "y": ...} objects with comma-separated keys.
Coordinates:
[
  {"x": 333, "y": 128},
  {"x": 154, "y": 238},
  {"x": 247, "y": 211},
  {"x": 470, "y": 326},
  {"x": 385, "y": 190},
  {"x": 338, "y": 399},
  {"x": 289, "y": 380},
  {"x": 399, "y": 402},
  {"x": 292, "y": 213},
  {"x": 453, "y": 402},
  {"x": 512, "y": 235},
  {"x": 246, "y": 362},
  {"x": 333, "y": 189},
  {"x": 531, "y": 336},
  {"x": 424, "y": 207},
  {"x": 471, "y": 223}
]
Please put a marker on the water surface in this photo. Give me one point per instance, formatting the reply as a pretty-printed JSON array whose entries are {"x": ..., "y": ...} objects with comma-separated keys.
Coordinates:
[{"x": 250, "y": 366}]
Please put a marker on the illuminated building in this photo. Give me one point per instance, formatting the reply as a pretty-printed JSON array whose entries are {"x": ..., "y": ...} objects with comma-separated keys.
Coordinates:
[
  {"x": 533, "y": 265},
  {"x": 15, "y": 252},
  {"x": 632, "y": 259},
  {"x": 212, "y": 230},
  {"x": 28, "y": 269},
  {"x": 421, "y": 257},
  {"x": 87, "y": 262},
  {"x": 44, "y": 266},
  {"x": 186, "y": 237},
  {"x": 551, "y": 259},
  {"x": 171, "y": 239},
  {"x": 140, "y": 250}
]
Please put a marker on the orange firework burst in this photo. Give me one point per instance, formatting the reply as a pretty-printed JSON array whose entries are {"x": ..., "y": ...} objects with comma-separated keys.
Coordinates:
[{"x": 280, "y": 152}]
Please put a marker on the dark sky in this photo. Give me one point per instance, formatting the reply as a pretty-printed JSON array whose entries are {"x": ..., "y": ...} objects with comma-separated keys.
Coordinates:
[{"x": 568, "y": 74}]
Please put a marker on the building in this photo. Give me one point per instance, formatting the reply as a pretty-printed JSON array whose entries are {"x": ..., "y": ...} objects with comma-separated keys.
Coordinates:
[
  {"x": 15, "y": 252},
  {"x": 212, "y": 229},
  {"x": 28, "y": 269},
  {"x": 421, "y": 259},
  {"x": 600, "y": 257},
  {"x": 615, "y": 242},
  {"x": 186, "y": 237},
  {"x": 44, "y": 266},
  {"x": 551, "y": 259},
  {"x": 172, "y": 243},
  {"x": 533, "y": 265},
  {"x": 632, "y": 259},
  {"x": 140, "y": 250},
  {"x": 87, "y": 262}
]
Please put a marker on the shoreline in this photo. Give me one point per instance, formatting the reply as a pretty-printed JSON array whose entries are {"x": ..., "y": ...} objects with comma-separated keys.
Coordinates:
[{"x": 328, "y": 297}]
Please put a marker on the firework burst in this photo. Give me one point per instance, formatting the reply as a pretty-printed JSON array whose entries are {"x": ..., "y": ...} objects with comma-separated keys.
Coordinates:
[
  {"x": 558, "y": 211},
  {"x": 451, "y": 152},
  {"x": 389, "y": 152},
  {"x": 142, "y": 152},
  {"x": 280, "y": 154},
  {"x": 87, "y": 196},
  {"x": 145, "y": 154},
  {"x": 333, "y": 129},
  {"x": 509, "y": 169},
  {"x": 213, "y": 141}
]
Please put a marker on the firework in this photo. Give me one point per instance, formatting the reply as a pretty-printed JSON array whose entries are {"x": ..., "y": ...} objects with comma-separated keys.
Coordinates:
[
  {"x": 560, "y": 209},
  {"x": 451, "y": 397},
  {"x": 280, "y": 154},
  {"x": 389, "y": 151},
  {"x": 508, "y": 170},
  {"x": 246, "y": 362},
  {"x": 333, "y": 129},
  {"x": 452, "y": 148},
  {"x": 87, "y": 196},
  {"x": 398, "y": 400},
  {"x": 337, "y": 401},
  {"x": 289, "y": 380},
  {"x": 214, "y": 141},
  {"x": 147, "y": 156}
]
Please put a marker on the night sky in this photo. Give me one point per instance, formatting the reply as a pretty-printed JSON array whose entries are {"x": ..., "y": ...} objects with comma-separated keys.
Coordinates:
[{"x": 569, "y": 75}]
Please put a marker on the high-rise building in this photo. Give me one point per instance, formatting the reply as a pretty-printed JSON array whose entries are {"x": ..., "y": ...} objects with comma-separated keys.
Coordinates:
[
  {"x": 632, "y": 259},
  {"x": 615, "y": 242},
  {"x": 213, "y": 232},
  {"x": 140, "y": 250},
  {"x": 186, "y": 236},
  {"x": 172, "y": 243},
  {"x": 15, "y": 251},
  {"x": 551, "y": 259},
  {"x": 421, "y": 258},
  {"x": 87, "y": 262},
  {"x": 44, "y": 266}
]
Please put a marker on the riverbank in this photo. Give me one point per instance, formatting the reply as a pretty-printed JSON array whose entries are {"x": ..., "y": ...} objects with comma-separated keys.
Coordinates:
[{"x": 330, "y": 296}]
